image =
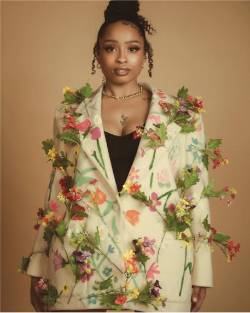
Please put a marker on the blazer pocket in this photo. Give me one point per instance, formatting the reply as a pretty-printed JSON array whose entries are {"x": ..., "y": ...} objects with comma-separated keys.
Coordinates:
[{"x": 175, "y": 264}]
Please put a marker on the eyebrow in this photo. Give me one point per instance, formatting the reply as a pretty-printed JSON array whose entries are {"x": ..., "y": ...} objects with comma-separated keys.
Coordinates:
[{"x": 130, "y": 41}]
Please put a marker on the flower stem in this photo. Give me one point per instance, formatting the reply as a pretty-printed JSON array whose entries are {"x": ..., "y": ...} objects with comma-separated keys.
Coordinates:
[
  {"x": 152, "y": 161},
  {"x": 72, "y": 290},
  {"x": 158, "y": 252},
  {"x": 100, "y": 152},
  {"x": 151, "y": 179},
  {"x": 184, "y": 270}
]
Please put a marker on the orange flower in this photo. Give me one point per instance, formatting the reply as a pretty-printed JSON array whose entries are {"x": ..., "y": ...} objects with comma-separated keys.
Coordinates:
[
  {"x": 98, "y": 196},
  {"x": 132, "y": 216},
  {"x": 120, "y": 299}
]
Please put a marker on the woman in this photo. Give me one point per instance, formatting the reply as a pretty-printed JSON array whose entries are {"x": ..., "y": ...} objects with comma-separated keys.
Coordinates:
[{"x": 120, "y": 205}]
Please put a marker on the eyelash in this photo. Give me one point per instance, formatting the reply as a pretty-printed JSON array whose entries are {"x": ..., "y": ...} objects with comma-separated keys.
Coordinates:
[{"x": 110, "y": 47}]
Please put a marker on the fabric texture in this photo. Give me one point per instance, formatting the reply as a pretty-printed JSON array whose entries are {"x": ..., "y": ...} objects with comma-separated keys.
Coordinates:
[{"x": 121, "y": 218}]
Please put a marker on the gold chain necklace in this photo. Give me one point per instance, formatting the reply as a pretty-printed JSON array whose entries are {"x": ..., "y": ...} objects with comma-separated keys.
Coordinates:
[{"x": 125, "y": 97}]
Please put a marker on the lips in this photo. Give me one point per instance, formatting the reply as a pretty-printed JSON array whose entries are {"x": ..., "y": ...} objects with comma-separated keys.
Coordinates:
[{"x": 121, "y": 71}]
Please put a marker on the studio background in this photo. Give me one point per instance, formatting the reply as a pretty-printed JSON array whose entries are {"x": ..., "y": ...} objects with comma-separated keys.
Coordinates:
[{"x": 46, "y": 46}]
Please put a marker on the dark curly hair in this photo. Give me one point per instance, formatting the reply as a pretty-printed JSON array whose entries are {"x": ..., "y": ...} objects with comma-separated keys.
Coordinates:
[{"x": 126, "y": 11}]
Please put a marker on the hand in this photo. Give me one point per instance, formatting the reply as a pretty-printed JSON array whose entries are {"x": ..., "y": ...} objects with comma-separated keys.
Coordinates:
[
  {"x": 198, "y": 296},
  {"x": 36, "y": 300}
]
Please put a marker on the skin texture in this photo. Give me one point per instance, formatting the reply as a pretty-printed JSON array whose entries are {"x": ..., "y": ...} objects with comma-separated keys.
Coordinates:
[
  {"x": 121, "y": 54},
  {"x": 198, "y": 297},
  {"x": 113, "y": 55}
]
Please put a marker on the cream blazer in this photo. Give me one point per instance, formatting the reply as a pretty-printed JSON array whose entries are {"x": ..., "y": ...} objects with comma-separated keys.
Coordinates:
[{"x": 122, "y": 218}]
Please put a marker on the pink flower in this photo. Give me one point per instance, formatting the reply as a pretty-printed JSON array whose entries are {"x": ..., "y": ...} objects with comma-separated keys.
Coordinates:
[
  {"x": 133, "y": 173},
  {"x": 152, "y": 271},
  {"x": 154, "y": 201},
  {"x": 163, "y": 177},
  {"x": 161, "y": 93},
  {"x": 41, "y": 285},
  {"x": 53, "y": 205},
  {"x": 84, "y": 125},
  {"x": 95, "y": 133},
  {"x": 58, "y": 260},
  {"x": 155, "y": 118}
]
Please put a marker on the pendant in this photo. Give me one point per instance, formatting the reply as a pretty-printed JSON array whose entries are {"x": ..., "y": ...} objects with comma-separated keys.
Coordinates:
[{"x": 123, "y": 119}]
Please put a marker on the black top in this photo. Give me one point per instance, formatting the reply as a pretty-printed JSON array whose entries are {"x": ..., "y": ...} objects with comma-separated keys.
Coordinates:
[{"x": 122, "y": 151}]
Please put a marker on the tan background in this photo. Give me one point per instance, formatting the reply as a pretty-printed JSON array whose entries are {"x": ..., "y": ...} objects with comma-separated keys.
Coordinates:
[{"x": 48, "y": 45}]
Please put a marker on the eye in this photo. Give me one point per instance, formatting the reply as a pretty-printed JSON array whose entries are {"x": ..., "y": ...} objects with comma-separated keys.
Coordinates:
[
  {"x": 134, "y": 48},
  {"x": 108, "y": 48}
]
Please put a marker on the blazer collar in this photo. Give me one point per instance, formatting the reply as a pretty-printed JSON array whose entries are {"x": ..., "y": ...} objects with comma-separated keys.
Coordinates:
[{"x": 97, "y": 149}]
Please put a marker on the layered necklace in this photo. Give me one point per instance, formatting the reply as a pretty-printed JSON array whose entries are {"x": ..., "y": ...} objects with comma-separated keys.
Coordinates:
[
  {"x": 124, "y": 97},
  {"x": 123, "y": 116}
]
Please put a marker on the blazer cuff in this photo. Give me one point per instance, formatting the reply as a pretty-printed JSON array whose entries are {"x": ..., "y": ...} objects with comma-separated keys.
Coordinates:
[
  {"x": 38, "y": 265},
  {"x": 202, "y": 273}
]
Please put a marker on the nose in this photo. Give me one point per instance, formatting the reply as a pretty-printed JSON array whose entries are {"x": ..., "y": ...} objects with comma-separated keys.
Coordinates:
[{"x": 122, "y": 56}]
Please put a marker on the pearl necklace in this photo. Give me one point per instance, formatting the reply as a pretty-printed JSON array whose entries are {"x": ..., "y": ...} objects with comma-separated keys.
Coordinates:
[{"x": 125, "y": 97}]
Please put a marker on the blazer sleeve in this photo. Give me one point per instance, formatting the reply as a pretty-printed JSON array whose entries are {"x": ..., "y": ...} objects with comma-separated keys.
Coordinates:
[
  {"x": 38, "y": 263},
  {"x": 202, "y": 273}
]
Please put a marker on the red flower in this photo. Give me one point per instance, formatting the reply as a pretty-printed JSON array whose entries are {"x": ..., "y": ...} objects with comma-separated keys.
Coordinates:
[
  {"x": 135, "y": 187},
  {"x": 77, "y": 211},
  {"x": 199, "y": 103},
  {"x": 120, "y": 299},
  {"x": 138, "y": 132},
  {"x": 232, "y": 249},
  {"x": 70, "y": 122},
  {"x": 73, "y": 194},
  {"x": 216, "y": 163},
  {"x": 171, "y": 207}
]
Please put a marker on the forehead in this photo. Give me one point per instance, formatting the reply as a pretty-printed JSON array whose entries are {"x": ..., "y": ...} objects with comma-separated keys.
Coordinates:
[{"x": 122, "y": 31}]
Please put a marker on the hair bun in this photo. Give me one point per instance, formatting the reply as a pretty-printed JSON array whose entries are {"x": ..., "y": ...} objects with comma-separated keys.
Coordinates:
[{"x": 121, "y": 9}]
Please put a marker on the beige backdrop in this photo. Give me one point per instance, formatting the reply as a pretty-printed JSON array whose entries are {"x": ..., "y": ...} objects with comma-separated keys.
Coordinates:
[{"x": 48, "y": 45}]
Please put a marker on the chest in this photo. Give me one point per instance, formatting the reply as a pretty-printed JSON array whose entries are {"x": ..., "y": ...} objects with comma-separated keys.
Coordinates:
[{"x": 121, "y": 117}]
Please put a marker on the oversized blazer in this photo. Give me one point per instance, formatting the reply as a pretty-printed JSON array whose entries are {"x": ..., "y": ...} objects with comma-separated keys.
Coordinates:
[{"x": 121, "y": 218}]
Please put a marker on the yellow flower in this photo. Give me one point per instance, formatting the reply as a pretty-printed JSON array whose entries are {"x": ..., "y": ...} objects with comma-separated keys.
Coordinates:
[
  {"x": 61, "y": 197},
  {"x": 201, "y": 110},
  {"x": 134, "y": 293},
  {"x": 128, "y": 255},
  {"x": 67, "y": 89},
  {"x": 225, "y": 161},
  {"x": 52, "y": 154},
  {"x": 126, "y": 186}
]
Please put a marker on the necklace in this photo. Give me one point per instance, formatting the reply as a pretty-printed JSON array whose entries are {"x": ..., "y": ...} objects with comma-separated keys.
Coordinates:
[{"x": 124, "y": 97}]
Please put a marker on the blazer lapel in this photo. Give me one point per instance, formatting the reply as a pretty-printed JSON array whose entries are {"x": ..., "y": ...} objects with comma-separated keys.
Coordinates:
[{"x": 95, "y": 144}]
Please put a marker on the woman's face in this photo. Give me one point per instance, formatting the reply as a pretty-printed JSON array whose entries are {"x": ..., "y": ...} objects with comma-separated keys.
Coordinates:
[{"x": 121, "y": 47}]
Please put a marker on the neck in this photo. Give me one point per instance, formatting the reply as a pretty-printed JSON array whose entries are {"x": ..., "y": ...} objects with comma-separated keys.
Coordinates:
[{"x": 121, "y": 90}]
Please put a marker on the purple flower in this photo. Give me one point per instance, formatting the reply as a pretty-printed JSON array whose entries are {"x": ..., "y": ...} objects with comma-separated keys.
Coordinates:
[{"x": 81, "y": 256}]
